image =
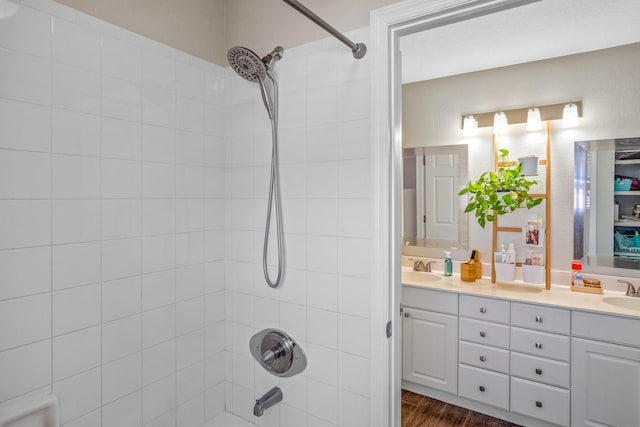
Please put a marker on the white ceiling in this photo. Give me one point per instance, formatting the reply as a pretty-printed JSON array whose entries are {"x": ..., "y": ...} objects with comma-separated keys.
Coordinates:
[{"x": 546, "y": 29}]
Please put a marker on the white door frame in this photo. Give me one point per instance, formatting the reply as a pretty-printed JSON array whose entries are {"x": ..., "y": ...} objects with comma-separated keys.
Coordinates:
[{"x": 387, "y": 26}]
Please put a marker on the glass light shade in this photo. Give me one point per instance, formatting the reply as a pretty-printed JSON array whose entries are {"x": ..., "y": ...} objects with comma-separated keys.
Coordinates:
[
  {"x": 570, "y": 116},
  {"x": 470, "y": 126},
  {"x": 533, "y": 119},
  {"x": 500, "y": 123}
]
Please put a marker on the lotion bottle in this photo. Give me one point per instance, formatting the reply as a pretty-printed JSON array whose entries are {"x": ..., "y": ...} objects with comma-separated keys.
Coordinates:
[
  {"x": 511, "y": 254},
  {"x": 503, "y": 254},
  {"x": 448, "y": 264}
]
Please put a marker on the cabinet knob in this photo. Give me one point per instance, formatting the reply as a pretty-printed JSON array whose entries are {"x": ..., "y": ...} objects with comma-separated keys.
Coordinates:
[
  {"x": 538, "y": 345},
  {"x": 483, "y": 358},
  {"x": 538, "y": 371},
  {"x": 483, "y": 334},
  {"x": 539, "y": 404},
  {"x": 407, "y": 315},
  {"x": 481, "y": 388},
  {"x": 539, "y": 319},
  {"x": 483, "y": 310}
]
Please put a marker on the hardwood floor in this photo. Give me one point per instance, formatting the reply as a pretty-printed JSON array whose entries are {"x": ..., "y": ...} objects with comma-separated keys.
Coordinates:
[{"x": 422, "y": 411}]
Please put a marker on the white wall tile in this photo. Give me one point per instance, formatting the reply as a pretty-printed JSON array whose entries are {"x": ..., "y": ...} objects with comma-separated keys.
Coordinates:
[
  {"x": 189, "y": 215},
  {"x": 75, "y": 309},
  {"x": 353, "y": 100},
  {"x": 189, "y": 249},
  {"x": 158, "y": 253},
  {"x": 189, "y": 114},
  {"x": 214, "y": 276},
  {"x": 121, "y": 60},
  {"x": 322, "y": 105},
  {"x": 36, "y": 41},
  {"x": 121, "y": 377},
  {"x": 191, "y": 413},
  {"x": 158, "y": 180},
  {"x": 75, "y": 45},
  {"x": 214, "y": 186},
  {"x": 158, "y": 362},
  {"x": 214, "y": 401},
  {"x": 124, "y": 412},
  {"x": 322, "y": 328},
  {"x": 121, "y": 218},
  {"x": 322, "y": 143},
  {"x": 322, "y": 217},
  {"x": 121, "y": 338},
  {"x": 354, "y": 218},
  {"x": 92, "y": 419},
  {"x": 353, "y": 410},
  {"x": 158, "y": 98},
  {"x": 159, "y": 398},
  {"x": 213, "y": 120},
  {"x": 78, "y": 395},
  {"x": 189, "y": 282},
  {"x": 76, "y": 352},
  {"x": 158, "y": 144},
  {"x": 214, "y": 245},
  {"x": 190, "y": 182},
  {"x": 190, "y": 349},
  {"x": 354, "y": 374},
  {"x": 158, "y": 216},
  {"x": 121, "y": 258},
  {"x": 354, "y": 178},
  {"x": 120, "y": 99},
  {"x": 322, "y": 291},
  {"x": 158, "y": 289},
  {"x": 354, "y": 335},
  {"x": 76, "y": 89},
  {"x": 75, "y": 177},
  {"x": 121, "y": 179},
  {"x": 190, "y": 148},
  {"x": 189, "y": 315},
  {"x": 25, "y": 77},
  {"x": 158, "y": 325},
  {"x": 75, "y": 221},
  {"x": 354, "y": 257},
  {"x": 25, "y": 272},
  {"x": 322, "y": 180},
  {"x": 321, "y": 254},
  {"x": 215, "y": 337},
  {"x": 121, "y": 298},
  {"x": 354, "y": 296},
  {"x": 190, "y": 382},
  {"x": 24, "y": 175},
  {"x": 323, "y": 364},
  {"x": 24, "y": 126},
  {"x": 190, "y": 81},
  {"x": 75, "y": 264},
  {"x": 75, "y": 133},
  {"x": 121, "y": 139},
  {"x": 354, "y": 139},
  {"x": 293, "y": 110},
  {"x": 24, "y": 320},
  {"x": 24, "y": 223},
  {"x": 323, "y": 401},
  {"x": 24, "y": 369}
]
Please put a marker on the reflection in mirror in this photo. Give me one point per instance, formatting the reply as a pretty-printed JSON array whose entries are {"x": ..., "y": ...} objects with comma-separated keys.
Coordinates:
[
  {"x": 606, "y": 207},
  {"x": 433, "y": 214}
]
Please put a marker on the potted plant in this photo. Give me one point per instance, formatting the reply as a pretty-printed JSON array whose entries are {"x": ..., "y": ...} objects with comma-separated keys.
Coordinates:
[{"x": 499, "y": 193}]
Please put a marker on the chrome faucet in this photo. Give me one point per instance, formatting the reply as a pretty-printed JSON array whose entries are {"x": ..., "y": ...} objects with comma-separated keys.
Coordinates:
[
  {"x": 269, "y": 399},
  {"x": 419, "y": 265},
  {"x": 631, "y": 291}
]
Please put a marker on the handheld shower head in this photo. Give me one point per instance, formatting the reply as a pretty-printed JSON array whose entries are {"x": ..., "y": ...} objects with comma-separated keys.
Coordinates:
[{"x": 247, "y": 64}]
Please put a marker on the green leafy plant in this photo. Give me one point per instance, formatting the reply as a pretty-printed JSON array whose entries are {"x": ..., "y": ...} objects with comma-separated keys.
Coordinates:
[{"x": 499, "y": 193}]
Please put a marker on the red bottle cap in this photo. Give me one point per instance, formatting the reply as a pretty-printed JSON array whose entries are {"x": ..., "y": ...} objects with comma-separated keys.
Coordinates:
[{"x": 576, "y": 265}]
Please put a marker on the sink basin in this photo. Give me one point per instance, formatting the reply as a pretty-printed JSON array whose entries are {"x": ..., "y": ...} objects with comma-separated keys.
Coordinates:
[
  {"x": 632, "y": 303},
  {"x": 419, "y": 276}
]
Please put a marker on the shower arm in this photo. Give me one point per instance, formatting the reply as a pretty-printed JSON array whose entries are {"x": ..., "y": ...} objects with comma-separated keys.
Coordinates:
[{"x": 359, "y": 49}]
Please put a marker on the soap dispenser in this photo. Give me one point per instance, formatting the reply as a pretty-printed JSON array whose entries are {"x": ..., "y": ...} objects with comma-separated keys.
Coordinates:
[{"x": 448, "y": 264}]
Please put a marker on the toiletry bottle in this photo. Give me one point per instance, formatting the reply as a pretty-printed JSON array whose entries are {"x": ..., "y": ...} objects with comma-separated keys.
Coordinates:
[
  {"x": 578, "y": 280},
  {"x": 448, "y": 264},
  {"x": 529, "y": 259},
  {"x": 511, "y": 254},
  {"x": 503, "y": 254},
  {"x": 576, "y": 268}
]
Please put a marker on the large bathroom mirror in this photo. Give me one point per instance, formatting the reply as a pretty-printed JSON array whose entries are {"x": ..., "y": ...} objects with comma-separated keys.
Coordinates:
[
  {"x": 433, "y": 218},
  {"x": 607, "y": 206}
]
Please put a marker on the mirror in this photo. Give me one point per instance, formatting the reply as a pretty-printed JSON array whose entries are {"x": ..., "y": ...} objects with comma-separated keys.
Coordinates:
[
  {"x": 433, "y": 218},
  {"x": 606, "y": 192}
]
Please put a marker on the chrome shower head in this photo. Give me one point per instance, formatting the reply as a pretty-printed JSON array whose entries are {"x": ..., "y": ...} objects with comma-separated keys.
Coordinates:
[{"x": 247, "y": 64}]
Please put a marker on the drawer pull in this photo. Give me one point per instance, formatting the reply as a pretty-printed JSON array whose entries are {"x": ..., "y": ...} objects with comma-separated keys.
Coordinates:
[
  {"x": 483, "y": 358},
  {"x": 483, "y": 334},
  {"x": 539, "y": 404},
  {"x": 538, "y": 345},
  {"x": 407, "y": 315},
  {"x": 539, "y": 319},
  {"x": 483, "y": 310},
  {"x": 481, "y": 388},
  {"x": 538, "y": 371}
]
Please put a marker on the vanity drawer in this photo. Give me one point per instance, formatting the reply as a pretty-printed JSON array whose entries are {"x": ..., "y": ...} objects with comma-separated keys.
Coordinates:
[
  {"x": 483, "y": 356},
  {"x": 486, "y": 333},
  {"x": 540, "y": 401},
  {"x": 541, "y": 370},
  {"x": 548, "y": 319},
  {"x": 619, "y": 330},
  {"x": 427, "y": 299},
  {"x": 483, "y": 386},
  {"x": 540, "y": 344},
  {"x": 488, "y": 309}
]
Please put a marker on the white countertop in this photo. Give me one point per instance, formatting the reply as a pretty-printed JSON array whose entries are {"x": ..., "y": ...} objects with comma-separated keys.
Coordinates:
[{"x": 558, "y": 295}]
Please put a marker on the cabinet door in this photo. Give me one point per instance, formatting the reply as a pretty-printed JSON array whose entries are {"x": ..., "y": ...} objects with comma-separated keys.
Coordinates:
[
  {"x": 429, "y": 349},
  {"x": 605, "y": 384}
]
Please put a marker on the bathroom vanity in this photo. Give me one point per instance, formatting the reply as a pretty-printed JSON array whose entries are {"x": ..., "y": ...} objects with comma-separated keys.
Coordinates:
[{"x": 521, "y": 353}]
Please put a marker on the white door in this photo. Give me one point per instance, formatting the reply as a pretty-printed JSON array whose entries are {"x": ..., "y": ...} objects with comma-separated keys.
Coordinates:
[
  {"x": 441, "y": 208},
  {"x": 429, "y": 349},
  {"x": 605, "y": 384}
]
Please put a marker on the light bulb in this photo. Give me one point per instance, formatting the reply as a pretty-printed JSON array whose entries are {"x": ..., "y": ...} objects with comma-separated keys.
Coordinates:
[
  {"x": 470, "y": 126},
  {"x": 570, "y": 116},
  {"x": 533, "y": 119},
  {"x": 500, "y": 123}
]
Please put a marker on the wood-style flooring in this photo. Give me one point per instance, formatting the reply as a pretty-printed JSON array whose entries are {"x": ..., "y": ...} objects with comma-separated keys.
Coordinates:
[{"x": 422, "y": 411}]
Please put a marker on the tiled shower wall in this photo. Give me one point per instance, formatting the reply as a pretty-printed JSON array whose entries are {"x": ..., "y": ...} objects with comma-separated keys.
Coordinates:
[
  {"x": 111, "y": 222},
  {"x": 324, "y": 301}
]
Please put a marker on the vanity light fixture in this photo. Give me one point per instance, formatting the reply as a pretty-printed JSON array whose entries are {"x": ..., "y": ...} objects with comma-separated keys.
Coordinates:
[
  {"x": 469, "y": 126},
  {"x": 570, "y": 116},
  {"x": 533, "y": 119},
  {"x": 500, "y": 123}
]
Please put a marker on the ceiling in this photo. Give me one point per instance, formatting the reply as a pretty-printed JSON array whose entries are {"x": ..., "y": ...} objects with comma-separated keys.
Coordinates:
[{"x": 542, "y": 30}]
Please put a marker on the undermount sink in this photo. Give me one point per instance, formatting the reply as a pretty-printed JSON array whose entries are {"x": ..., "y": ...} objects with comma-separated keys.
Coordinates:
[
  {"x": 632, "y": 303},
  {"x": 419, "y": 276}
]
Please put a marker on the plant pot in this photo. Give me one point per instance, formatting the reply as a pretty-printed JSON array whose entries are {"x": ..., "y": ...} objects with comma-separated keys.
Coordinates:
[
  {"x": 505, "y": 272},
  {"x": 533, "y": 274},
  {"x": 529, "y": 165}
]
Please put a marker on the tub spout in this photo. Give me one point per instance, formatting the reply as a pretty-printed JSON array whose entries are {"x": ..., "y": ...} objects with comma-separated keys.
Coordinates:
[{"x": 269, "y": 399}]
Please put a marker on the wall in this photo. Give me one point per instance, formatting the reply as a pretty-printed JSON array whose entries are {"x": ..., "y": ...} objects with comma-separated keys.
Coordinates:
[
  {"x": 604, "y": 81},
  {"x": 324, "y": 301},
  {"x": 111, "y": 222}
]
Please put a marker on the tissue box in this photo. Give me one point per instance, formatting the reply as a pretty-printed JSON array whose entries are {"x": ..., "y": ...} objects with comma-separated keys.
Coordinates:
[{"x": 468, "y": 272}]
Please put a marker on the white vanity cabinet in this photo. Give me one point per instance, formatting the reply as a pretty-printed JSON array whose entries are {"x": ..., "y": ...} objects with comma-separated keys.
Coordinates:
[
  {"x": 430, "y": 338},
  {"x": 605, "y": 370}
]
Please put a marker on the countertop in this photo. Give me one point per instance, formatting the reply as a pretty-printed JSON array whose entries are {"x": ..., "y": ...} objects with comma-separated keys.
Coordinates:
[{"x": 557, "y": 296}]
